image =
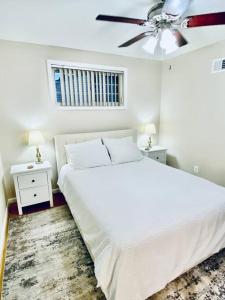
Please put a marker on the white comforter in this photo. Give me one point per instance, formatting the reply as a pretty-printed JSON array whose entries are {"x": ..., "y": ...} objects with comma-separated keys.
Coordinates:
[{"x": 144, "y": 223}]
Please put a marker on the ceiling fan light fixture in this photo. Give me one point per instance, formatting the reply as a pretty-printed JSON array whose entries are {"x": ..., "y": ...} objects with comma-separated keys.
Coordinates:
[
  {"x": 168, "y": 41},
  {"x": 171, "y": 49},
  {"x": 150, "y": 45}
]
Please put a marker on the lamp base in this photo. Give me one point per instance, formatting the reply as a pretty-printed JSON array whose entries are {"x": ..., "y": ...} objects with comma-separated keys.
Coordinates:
[
  {"x": 149, "y": 145},
  {"x": 38, "y": 159}
]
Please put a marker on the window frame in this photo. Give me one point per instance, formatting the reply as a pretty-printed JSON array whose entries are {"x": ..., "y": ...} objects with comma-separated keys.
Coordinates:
[{"x": 84, "y": 66}]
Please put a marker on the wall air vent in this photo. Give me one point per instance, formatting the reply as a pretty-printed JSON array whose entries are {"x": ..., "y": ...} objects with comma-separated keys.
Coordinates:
[{"x": 218, "y": 65}]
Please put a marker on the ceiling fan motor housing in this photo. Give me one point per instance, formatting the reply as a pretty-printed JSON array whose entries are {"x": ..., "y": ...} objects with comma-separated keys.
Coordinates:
[{"x": 155, "y": 10}]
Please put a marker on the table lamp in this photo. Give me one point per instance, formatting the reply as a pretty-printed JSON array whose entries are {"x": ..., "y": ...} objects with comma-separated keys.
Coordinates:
[
  {"x": 36, "y": 139},
  {"x": 149, "y": 130}
]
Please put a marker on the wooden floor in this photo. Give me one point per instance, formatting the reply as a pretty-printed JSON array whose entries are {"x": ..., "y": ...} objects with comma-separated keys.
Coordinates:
[{"x": 58, "y": 200}]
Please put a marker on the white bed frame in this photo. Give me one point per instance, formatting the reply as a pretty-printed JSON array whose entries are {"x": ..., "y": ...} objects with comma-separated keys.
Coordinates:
[{"x": 63, "y": 139}]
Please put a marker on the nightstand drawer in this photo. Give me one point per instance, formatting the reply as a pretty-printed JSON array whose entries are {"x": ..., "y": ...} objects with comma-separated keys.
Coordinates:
[
  {"x": 34, "y": 195},
  {"x": 32, "y": 180},
  {"x": 159, "y": 156}
]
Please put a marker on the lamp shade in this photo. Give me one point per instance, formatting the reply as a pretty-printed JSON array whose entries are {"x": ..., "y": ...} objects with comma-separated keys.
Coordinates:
[
  {"x": 150, "y": 129},
  {"x": 35, "y": 138}
]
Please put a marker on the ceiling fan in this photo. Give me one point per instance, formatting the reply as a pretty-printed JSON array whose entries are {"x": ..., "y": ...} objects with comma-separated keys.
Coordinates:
[{"x": 162, "y": 24}]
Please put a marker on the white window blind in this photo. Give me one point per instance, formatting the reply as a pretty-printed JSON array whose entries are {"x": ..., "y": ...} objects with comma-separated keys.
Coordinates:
[{"x": 86, "y": 87}]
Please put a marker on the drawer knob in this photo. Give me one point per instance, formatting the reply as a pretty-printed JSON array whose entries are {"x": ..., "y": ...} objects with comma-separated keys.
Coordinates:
[
  {"x": 33, "y": 180},
  {"x": 157, "y": 157},
  {"x": 35, "y": 195}
]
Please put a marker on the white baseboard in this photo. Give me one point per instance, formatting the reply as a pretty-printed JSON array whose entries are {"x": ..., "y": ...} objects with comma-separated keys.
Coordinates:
[
  {"x": 11, "y": 200},
  {"x": 54, "y": 191}
]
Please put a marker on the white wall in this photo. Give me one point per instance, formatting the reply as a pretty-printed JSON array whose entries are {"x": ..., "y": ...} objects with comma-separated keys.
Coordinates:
[
  {"x": 192, "y": 117},
  {"x": 192, "y": 121},
  {"x": 25, "y": 102}
]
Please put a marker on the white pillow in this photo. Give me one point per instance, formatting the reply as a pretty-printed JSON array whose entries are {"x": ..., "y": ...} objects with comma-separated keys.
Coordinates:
[
  {"x": 122, "y": 150},
  {"x": 88, "y": 154}
]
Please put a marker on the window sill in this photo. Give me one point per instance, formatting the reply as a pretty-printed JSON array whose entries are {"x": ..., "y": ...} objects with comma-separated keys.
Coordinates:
[{"x": 72, "y": 108}]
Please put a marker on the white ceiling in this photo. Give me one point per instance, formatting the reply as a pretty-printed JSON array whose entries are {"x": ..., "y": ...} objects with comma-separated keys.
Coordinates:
[{"x": 71, "y": 23}]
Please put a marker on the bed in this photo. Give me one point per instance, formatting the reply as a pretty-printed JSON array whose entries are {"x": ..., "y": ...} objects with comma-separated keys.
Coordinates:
[{"x": 144, "y": 223}]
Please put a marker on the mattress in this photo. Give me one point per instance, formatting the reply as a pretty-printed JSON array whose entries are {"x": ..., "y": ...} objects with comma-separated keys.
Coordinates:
[{"x": 144, "y": 223}]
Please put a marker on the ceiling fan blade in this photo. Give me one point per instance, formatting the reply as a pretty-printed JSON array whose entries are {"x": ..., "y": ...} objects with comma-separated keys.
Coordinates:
[
  {"x": 135, "y": 39},
  {"x": 175, "y": 7},
  {"x": 181, "y": 41},
  {"x": 206, "y": 20},
  {"x": 120, "y": 19}
]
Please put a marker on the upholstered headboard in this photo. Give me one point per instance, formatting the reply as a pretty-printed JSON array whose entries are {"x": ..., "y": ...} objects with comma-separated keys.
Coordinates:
[{"x": 63, "y": 139}]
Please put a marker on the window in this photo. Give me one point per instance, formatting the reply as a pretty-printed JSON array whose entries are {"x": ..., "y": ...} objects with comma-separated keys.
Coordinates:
[{"x": 78, "y": 86}]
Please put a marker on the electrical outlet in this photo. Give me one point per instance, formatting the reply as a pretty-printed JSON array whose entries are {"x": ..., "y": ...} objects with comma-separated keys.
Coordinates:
[{"x": 196, "y": 169}]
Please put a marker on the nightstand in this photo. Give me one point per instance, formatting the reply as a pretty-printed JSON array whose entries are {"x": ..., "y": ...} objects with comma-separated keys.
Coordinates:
[
  {"x": 32, "y": 185},
  {"x": 156, "y": 152}
]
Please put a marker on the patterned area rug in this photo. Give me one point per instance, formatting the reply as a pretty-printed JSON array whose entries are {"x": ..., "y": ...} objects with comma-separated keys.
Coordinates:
[{"x": 47, "y": 259}]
